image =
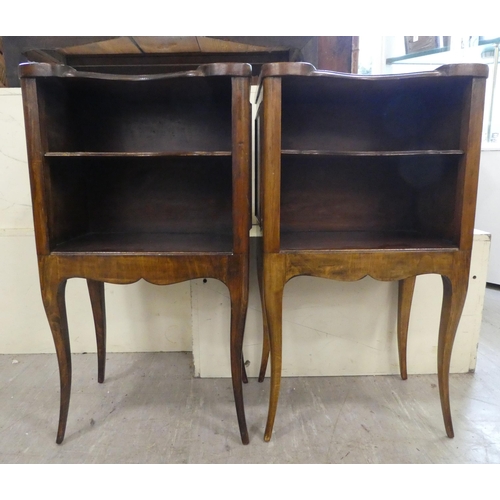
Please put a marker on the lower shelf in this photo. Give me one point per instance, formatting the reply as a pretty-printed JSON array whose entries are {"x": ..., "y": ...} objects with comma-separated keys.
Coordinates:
[
  {"x": 118, "y": 243},
  {"x": 361, "y": 240}
]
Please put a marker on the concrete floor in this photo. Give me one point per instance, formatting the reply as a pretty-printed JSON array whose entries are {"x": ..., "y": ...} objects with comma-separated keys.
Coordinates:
[{"x": 151, "y": 410}]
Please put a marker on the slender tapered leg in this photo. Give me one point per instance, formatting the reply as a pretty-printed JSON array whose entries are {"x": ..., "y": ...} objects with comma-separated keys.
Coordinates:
[
  {"x": 454, "y": 294},
  {"x": 53, "y": 300},
  {"x": 238, "y": 289},
  {"x": 405, "y": 296},
  {"x": 96, "y": 292},
  {"x": 266, "y": 348},
  {"x": 273, "y": 284},
  {"x": 243, "y": 370}
]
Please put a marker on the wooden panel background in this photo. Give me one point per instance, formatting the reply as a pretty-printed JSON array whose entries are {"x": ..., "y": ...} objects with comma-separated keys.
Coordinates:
[{"x": 153, "y": 54}]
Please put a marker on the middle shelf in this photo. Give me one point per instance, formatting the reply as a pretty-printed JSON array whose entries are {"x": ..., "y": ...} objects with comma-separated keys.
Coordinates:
[
  {"x": 370, "y": 153},
  {"x": 387, "y": 199},
  {"x": 98, "y": 203},
  {"x": 134, "y": 154}
]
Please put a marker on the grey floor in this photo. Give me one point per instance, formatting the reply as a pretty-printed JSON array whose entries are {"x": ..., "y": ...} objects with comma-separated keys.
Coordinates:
[{"x": 151, "y": 410}]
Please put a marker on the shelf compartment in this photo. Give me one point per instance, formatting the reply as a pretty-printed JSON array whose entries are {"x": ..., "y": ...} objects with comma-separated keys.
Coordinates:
[
  {"x": 366, "y": 115},
  {"x": 173, "y": 114},
  {"x": 95, "y": 199},
  {"x": 410, "y": 196}
]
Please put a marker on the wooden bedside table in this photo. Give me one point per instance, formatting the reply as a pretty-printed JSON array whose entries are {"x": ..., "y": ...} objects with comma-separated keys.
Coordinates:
[
  {"x": 367, "y": 176},
  {"x": 139, "y": 177}
]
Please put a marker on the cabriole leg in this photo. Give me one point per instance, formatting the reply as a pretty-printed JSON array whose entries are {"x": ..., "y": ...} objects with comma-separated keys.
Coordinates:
[
  {"x": 96, "y": 292},
  {"x": 454, "y": 294},
  {"x": 266, "y": 347},
  {"x": 53, "y": 291},
  {"x": 238, "y": 290},
  {"x": 405, "y": 296},
  {"x": 273, "y": 284}
]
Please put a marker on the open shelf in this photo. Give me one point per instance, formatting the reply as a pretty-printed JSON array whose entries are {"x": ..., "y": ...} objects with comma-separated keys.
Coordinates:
[
  {"x": 361, "y": 115},
  {"x": 157, "y": 116},
  {"x": 146, "y": 204},
  {"x": 379, "y": 201}
]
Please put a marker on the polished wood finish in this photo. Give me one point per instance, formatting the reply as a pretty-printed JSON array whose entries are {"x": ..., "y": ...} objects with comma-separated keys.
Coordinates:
[
  {"x": 167, "y": 54},
  {"x": 97, "y": 302},
  {"x": 139, "y": 177},
  {"x": 405, "y": 296},
  {"x": 367, "y": 176}
]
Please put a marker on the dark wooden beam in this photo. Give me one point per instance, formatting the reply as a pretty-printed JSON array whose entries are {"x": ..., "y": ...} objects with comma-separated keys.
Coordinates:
[{"x": 15, "y": 46}]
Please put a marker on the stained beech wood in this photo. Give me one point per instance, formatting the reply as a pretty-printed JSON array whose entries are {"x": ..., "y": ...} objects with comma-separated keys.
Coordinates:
[
  {"x": 321, "y": 152},
  {"x": 139, "y": 177},
  {"x": 405, "y": 296},
  {"x": 116, "y": 154},
  {"x": 367, "y": 176},
  {"x": 97, "y": 302}
]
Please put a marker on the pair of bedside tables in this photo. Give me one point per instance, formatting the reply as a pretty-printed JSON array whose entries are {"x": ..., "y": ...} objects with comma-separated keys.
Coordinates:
[{"x": 149, "y": 177}]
